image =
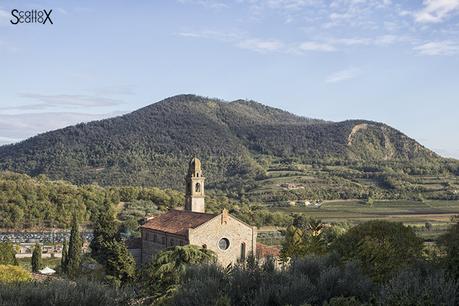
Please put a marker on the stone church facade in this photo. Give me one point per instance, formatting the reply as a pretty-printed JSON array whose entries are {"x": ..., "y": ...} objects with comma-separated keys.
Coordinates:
[{"x": 230, "y": 238}]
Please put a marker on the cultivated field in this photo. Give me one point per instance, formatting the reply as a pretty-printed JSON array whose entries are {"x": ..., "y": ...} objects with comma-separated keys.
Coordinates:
[{"x": 437, "y": 214}]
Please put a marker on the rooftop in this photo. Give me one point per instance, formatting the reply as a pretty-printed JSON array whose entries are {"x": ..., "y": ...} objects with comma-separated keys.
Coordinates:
[
  {"x": 177, "y": 221},
  {"x": 265, "y": 250}
]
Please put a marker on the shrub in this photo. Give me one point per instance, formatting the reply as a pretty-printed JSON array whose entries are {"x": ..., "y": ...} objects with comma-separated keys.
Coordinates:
[
  {"x": 161, "y": 278},
  {"x": 449, "y": 243},
  {"x": 12, "y": 274},
  {"x": 312, "y": 280},
  {"x": 7, "y": 254},
  {"x": 60, "y": 292},
  {"x": 416, "y": 287},
  {"x": 343, "y": 301},
  {"x": 382, "y": 247}
]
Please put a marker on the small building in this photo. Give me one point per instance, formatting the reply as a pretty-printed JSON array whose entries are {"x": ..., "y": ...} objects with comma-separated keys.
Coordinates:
[{"x": 230, "y": 238}]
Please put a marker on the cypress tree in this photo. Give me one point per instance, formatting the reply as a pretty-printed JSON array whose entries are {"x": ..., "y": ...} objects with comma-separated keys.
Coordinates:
[
  {"x": 108, "y": 249},
  {"x": 105, "y": 231},
  {"x": 37, "y": 262},
  {"x": 74, "y": 253},
  {"x": 64, "y": 256}
]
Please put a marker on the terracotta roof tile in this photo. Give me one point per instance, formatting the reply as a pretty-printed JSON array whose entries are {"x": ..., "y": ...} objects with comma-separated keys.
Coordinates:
[
  {"x": 265, "y": 250},
  {"x": 177, "y": 221}
]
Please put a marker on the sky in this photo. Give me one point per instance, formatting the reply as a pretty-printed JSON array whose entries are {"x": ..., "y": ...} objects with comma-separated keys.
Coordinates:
[{"x": 391, "y": 61}]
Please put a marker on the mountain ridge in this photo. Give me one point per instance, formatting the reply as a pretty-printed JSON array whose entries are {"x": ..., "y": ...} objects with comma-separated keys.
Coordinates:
[{"x": 150, "y": 146}]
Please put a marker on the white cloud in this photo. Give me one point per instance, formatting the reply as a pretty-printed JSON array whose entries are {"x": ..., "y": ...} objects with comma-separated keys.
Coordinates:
[
  {"x": 237, "y": 39},
  {"x": 436, "y": 10},
  {"x": 212, "y": 4},
  {"x": 260, "y": 45},
  {"x": 227, "y": 36},
  {"x": 18, "y": 127},
  {"x": 274, "y": 45},
  {"x": 72, "y": 100},
  {"x": 289, "y": 4},
  {"x": 438, "y": 48},
  {"x": 343, "y": 75},
  {"x": 7, "y": 140},
  {"x": 316, "y": 46}
]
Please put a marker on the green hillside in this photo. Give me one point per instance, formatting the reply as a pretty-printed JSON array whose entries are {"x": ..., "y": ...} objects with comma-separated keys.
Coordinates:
[{"x": 238, "y": 142}]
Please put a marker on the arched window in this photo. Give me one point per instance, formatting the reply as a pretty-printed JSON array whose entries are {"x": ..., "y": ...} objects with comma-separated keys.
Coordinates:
[
  {"x": 243, "y": 251},
  {"x": 198, "y": 187}
]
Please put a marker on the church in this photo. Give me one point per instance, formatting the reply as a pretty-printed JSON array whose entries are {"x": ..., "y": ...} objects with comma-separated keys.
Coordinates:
[{"x": 230, "y": 238}]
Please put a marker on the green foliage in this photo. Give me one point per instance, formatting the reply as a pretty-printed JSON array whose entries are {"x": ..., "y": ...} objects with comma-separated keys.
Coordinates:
[
  {"x": 417, "y": 287},
  {"x": 73, "y": 260},
  {"x": 65, "y": 250},
  {"x": 105, "y": 230},
  {"x": 62, "y": 292},
  {"x": 370, "y": 201},
  {"x": 343, "y": 301},
  {"x": 13, "y": 274},
  {"x": 37, "y": 262},
  {"x": 382, "y": 247},
  {"x": 449, "y": 243},
  {"x": 161, "y": 277},
  {"x": 311, "y": 280},
  {"x": 108, "y": 249},
  {"x": 27, "y": 202},
  {"x": 308, "y": 237},
  {"x": 7, "y": 254},
  {"x": 130, "y": 227},
  {"x": 120, "y": 265}
]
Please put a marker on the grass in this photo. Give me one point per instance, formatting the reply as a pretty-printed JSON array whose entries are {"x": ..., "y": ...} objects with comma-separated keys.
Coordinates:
[{"x": 47, "y": 262}]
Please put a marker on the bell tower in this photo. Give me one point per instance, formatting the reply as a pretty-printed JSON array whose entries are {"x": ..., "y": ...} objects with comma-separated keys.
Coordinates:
[{"x": 194, "y": 196}]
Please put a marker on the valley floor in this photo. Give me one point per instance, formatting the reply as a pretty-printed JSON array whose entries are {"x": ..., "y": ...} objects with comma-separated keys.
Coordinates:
[{"x": 430, "y": 218}]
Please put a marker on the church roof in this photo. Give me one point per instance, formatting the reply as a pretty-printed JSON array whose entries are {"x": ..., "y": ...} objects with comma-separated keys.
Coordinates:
[
  {"x": 178, "y": 221},
  {"x": 265, "y": 250}
]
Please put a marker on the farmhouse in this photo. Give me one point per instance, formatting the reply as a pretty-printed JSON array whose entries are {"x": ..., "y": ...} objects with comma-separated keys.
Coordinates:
[{"x": 230, "y": 238}]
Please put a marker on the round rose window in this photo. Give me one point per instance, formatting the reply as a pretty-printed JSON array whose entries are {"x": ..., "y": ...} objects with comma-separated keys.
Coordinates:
[{"x": 223, "y": 244}]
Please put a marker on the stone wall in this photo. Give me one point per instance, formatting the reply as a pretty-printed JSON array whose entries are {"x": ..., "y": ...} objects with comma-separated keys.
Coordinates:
[
  {"x": 155, "y": 241},
  {"x": 225, "y": 226}
]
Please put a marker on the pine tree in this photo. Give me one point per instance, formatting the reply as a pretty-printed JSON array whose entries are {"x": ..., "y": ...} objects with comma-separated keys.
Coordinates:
[
  {"x": 64, "y": 257},
  {"x": 37, "y": 262},
  {"x": 74, "y": 253}
]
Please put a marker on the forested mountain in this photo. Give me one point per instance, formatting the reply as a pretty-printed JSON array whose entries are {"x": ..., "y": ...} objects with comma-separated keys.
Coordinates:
[{"x": 236, "y": 140}]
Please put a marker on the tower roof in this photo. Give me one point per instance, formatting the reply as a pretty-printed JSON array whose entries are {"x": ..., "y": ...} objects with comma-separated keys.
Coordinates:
[{"x": 195, "y": 165}]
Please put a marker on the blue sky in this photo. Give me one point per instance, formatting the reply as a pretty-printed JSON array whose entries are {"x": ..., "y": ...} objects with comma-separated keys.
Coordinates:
[{"x": 391, "y": 61}]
